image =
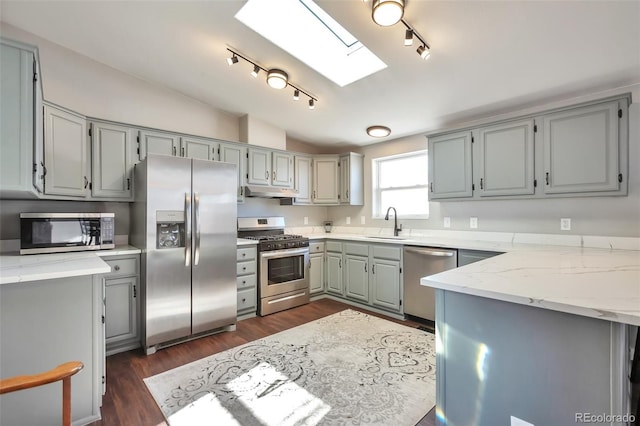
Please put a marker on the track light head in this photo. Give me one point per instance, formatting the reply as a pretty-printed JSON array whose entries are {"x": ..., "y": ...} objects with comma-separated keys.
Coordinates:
[
  {"x": 296, "y": 95},
  {"x": 312, "y": 104},
  {"x": 232, "y": 60},
  {"x": 277, "y": 79},
  {"x": 408, "y": 38},
  {"x": 423, "y": 51},
  {"x": 387, "y": 12},
  {"x": 256, "y": 70}
]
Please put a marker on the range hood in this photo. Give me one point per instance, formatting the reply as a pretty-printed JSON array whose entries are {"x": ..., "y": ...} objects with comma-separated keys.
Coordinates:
[{"x": 269, "y": 192}]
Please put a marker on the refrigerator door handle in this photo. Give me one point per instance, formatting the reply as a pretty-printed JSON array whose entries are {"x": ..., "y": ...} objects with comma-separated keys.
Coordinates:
[
  {"x": 187, "y": 218},
  {"x": 196, "y": 226}
]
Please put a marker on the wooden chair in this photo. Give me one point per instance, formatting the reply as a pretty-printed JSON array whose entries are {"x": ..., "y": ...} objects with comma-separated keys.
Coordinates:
[{"x": 62, "y": 372}]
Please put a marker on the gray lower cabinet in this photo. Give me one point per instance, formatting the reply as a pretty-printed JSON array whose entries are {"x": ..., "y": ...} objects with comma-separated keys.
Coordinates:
[
  {"x": 356, "y": 271},
  {"x": 581, "y": 149},
  {"x": 334, "y": 268},
  {"x": 122, "y": 303},
  {"x": 386, "y": 279},
  {"x": 316, "y": 267},
  {"x": 450, "y": 169},
  {"x": 66, "y": 158},
  {"x": 247, "y": 280},
  {"x": 111, "y": 161}
]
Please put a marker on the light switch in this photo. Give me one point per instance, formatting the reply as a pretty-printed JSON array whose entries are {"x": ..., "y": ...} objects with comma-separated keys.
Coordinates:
[
  {"x": 565, "y": 224},
  {"x": 447, "y": 222},
  {"x": 306, "y": 220},
  {"x": 473, "y": 222},
  {"x": 348, "y": 220}
]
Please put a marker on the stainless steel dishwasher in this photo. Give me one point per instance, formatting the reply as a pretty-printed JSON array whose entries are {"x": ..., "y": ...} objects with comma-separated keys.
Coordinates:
[{"x": 419, "y": 301}]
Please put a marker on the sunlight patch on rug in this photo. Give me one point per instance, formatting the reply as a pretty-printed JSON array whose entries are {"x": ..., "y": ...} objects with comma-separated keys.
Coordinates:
[{"x": 347, "y": 368}]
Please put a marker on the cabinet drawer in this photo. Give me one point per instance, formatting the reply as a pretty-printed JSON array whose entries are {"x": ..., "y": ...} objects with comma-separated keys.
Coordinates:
[
  {"x": 357, "y": 249},
  {"x": 315, "y": 247},
  {"x": 387, "y": 252},
  {"x": 122, "y": 267},
  {"x": 334, "y": 246},
  {"x": 246, "y": 281},
  {"x": 246, "y": 268},
  {"x": 246, "y": 253},
  {"x": 246, "y": 299}
]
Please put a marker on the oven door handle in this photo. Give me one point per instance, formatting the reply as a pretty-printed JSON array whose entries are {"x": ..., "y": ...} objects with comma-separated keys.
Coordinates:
[{"x": 283, "y": 253}]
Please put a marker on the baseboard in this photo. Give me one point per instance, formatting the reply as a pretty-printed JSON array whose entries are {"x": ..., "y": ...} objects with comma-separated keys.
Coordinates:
[{"x": 360, "y": 305}]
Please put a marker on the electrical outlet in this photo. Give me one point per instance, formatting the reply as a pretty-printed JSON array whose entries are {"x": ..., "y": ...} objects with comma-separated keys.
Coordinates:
[
  {"x": 519, "y": 422},
  {"x": 565, "y": 224},
  {"x": 348, "y": 220},
  {"x": 473, "y": 222},
  {"x": 447, "y": 222},
  {"x": 361, "y": 220},
  {"x": 306, "y": 220}
]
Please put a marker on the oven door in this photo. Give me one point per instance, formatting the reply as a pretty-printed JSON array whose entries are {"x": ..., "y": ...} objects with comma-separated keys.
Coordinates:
[{"x": 282, "y": 271}]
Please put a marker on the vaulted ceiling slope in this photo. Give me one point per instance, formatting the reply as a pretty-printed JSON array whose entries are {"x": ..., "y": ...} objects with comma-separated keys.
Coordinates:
[{"x": 486, "y": 58}]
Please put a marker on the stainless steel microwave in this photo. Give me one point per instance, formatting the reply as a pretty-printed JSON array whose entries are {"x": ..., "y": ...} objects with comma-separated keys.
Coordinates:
[{"x": 62, "y": 232}]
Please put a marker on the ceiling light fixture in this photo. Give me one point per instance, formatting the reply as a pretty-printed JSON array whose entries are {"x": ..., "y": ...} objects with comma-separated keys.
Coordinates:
[
  {"x": 378, "y": 131},
  {"x": 424, "y": 49},
  {"x": 408, "y": 37},
  {"x": 276, "y": 78},
  {"x": 387, "y": 12}
]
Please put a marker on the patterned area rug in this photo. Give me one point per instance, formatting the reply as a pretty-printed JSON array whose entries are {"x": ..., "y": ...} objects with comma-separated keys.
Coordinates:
[{"x": 345, "y": 369}]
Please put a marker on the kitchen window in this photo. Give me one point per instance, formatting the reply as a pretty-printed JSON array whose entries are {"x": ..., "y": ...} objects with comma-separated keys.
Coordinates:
[{"x": 401, "y": 181}]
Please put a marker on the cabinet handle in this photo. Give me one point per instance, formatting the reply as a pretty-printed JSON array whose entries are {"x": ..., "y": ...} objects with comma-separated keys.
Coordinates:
[
  {"x": 244, "y": 281},
  {"x": 274, "y": 175},
  {"x": 547, "y": 178},
  {"x": 365, "y": 267},
  {"x": 244, "y": 300},
  {"x": 373, "y": 268},
  {"x": 135, "y": 292},
  {"x": 86, "y": 182},
  {"x": 431, "y": 186},
  {"x": 266, "y": 174},
  {"x": 347, "y": 195},
  {"x": 116, "y": 268},
  {"x": 44, "y": 169},
  {"x": 314, "y": 194},
  {"x": 174, "y": 151},
  {"x": 182, "y": 151},
  {"x": 241, "y": 190},
  {"x": 244, "y": 268},
  {"x": 128, "y": 183},
  {"x": 339, "y": 263},
  {"x": 244, "y": 254},
  {"x": 481, "y": 184}
]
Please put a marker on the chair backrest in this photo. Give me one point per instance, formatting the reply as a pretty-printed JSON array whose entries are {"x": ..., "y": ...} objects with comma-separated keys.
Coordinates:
[{"x": 62, "y": 372}]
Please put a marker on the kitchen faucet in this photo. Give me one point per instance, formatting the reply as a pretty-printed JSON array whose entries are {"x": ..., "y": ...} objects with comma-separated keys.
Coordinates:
[{"x": 395, "y": 221}]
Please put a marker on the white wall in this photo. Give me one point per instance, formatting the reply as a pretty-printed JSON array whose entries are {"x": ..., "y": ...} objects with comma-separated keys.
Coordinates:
[
  {"x": 96, "y": 90},
  {"x": 613, "y": 216}
]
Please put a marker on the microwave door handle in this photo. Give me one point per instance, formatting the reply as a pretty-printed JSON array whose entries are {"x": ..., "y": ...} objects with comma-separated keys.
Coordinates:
[
  {"x": 187, "y": 218},
  {"x": 196, "y": 226}
]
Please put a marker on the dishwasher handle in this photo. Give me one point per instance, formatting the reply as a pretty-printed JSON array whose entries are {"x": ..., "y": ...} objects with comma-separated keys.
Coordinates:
[{"x": 429, "y": 252}]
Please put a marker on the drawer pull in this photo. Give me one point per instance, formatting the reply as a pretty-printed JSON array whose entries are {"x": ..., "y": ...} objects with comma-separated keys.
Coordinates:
[
  {"x": 244, "y": 254},
  {"x": 244, "y": 268},
  {"x": 244, "y": 300},
  {"x": 244, "y": 281},
  {"x": 116, "y": 268}
]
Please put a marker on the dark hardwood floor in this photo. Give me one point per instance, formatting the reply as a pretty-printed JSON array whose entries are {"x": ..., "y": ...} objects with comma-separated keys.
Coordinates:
[{"x": 128, "y": 402}]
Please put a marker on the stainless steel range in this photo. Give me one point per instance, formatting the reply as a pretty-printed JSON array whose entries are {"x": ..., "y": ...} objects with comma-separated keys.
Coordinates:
[{"x": 283, "y": 263}]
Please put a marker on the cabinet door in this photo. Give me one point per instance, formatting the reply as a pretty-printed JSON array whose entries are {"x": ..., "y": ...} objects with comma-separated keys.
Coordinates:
[
  {"x": 325, "y": 180},
  {"x": 282, "y": 166},
  {"x": 235, "y": 154},
  {"x": 356, "y": 275},
  {"x": 505, "y": 159},
  {"x": 259, "y": 163},
  {"x": 198, "y": 148},
  {"x": 303, "y": 179},
  {"x": 65, "y": 153},
  {"x": 385, "y": 283},
  {"x": 450, "y": 172},
  {"x": 157, "y": 143},
  {"x": 16, "y": 118},
  {"x": 111, "y": 166},
  {"x": 345, "y": 180},
  {"x": 316, "y": 273},
  {"x": 121, "y": 319},
  {"x": 334, "y": 273},
  {"x": 581, "y": 149}
]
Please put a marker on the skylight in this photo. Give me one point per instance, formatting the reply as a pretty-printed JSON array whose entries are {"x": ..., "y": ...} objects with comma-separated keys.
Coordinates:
[{"x": 304, "y": 30}]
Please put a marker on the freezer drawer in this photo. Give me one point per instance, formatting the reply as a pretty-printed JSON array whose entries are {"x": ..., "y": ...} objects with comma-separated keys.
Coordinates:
[{"x": 419, "y": 262}]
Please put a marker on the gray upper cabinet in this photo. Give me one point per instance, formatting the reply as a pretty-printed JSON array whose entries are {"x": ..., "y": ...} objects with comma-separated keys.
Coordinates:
[
  {"x": 325, "y": 179},
  {"x": 65, "y": 152},
  {"x": 202, "y": 149},
  {"x": 112, "y": 167},
  {"x": 16, "y": 118},
  {"x": 282, "y": 166},
  {"x": 450, "y": 171},
  {"x": 581, "y": 149},
  {"x": 302, "y": 179},
  {"x": 259, "y": 166},
  {"x": 235, "y": 154},
  {"x": 505, "y": 161},
  {"x": 352, "y": 179},
  {"x": 151, "y": 142}
]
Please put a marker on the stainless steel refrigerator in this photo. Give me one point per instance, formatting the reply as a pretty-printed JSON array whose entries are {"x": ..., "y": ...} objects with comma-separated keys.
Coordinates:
[{"x": 184, "y": 220}]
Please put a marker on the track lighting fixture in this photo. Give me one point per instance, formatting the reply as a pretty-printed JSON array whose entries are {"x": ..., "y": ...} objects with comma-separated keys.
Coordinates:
[
  {"x": 423, "y": 50},
  {"x": 408, "y": 37},
  {"x": 387, "y": 12},
  {"x": 276, "y": 78},
  {"x": 378, "y": 131}
]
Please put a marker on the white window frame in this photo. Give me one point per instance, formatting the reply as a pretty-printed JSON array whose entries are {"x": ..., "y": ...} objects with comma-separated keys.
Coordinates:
[{"x": 376, "y": 190}]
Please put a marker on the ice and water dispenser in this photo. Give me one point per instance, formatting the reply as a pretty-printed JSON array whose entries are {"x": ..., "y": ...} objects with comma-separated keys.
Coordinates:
[{"x": 169, "y": 229}]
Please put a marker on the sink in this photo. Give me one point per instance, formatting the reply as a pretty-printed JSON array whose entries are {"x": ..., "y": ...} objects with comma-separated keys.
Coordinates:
[{"x": 386, "y": 238}]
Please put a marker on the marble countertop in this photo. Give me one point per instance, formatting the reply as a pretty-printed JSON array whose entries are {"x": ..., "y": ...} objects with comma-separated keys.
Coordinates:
[{"x": 596, "y": 283}]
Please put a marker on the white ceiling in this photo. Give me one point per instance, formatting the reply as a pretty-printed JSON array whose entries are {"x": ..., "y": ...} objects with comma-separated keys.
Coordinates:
[{"x": 486, "y": 58}]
